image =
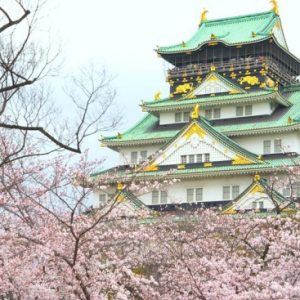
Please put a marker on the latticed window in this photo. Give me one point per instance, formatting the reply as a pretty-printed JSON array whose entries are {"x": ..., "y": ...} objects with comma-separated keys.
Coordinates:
[
  {"x": 277, "y": 146},
  {"x": 235, "y": 191},
  {"x": 186, "y": 116},
  {"x": 248, "y": 110},
  {"x": 134, "y": 157},
  {"x": 208, "y": 114},
  {"x": 217, "y": 113},
  {"x": 163, "y": 197},
  {"x": 143, "y": 156},
  {"x": 199, "y": 158},
  {"x": 226, "y": 192},
  {"x": 102, "y": 198},
  {"x": 178, "y": 117},
  {"x": 254, "y": 204},
  {"x": 267, "y": 147},
  {"x": 199, "y": 194},
  {"x": 191, "y": 159},
  {"x": 239, "y": 111},
  {"x": 155, "y": 196},
  {"x": 207, "y": 157},
  {"x": 190, "y": 195},
  {"x": 261, "y": 205},
  {"x": 183, "y": 159}
]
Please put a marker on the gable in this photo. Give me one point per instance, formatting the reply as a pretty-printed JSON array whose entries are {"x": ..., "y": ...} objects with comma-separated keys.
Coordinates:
[
  {"x": 215, "y": 84},
  {"x": 200, "y": 139},
  {"x": 255, "y": 197}
]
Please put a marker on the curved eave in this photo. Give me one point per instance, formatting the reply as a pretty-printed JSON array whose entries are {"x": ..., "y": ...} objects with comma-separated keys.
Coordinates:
[
  {"x": 120, "y": 143},
  {"x": 219, "y": 41},
  {"x": 272, "y": 96},
  {"x": 208, "y": 42},
  {"x": 230, "y": 133},
  {"x": 259, "y": 131},
  {"x": 269, "y": 169}
]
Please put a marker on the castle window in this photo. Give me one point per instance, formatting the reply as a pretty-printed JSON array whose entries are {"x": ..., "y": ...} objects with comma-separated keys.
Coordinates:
[
  {"x": 199, "y": 194},
  {"x": 208, "y": 114},
  {"x": 163, "y": 197},
  {"x": 267, "y": 147},
  {"x": 254, "y": 205},
  {"x": 296, "y": 189},
  {"x": 102, "y": 198},
  {"x": 155, "y": 195},
  {"x": 143, "y": 156},
  {"x": 190, "y": 195},
  {"x": 191, "y": 159},
  {"x": 194, "y": 195},
  {"x": 206, "y": 157},
  {"x": 226, "y": 192},
  {"x": 183, "y": 159},
  {"x": 186, "y": 116},
  {"x": 134, "y": 157},
  {"x": 235, "y": 191},
  {"x": 261, "y": 205},
  {"x": 277, "y": 146},
  {"x": 182, "y": 117},
  {"x": 199, "y": 158},
  {"x": 178, "y": 117},
  {"x": 217, "y": 113},
  {"x": 239, "y": 111},
  {"x": 248, "y": 110},
  {"x": 286, "y": 192}
]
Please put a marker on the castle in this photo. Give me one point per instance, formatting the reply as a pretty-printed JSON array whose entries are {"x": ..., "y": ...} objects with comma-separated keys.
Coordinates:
[{"x": 231, "y": 121}]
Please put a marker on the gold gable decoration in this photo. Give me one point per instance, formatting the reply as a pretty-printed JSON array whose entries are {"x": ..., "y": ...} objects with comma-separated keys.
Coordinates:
[
  {"x": 157, "y": 96},
  {"x": 257, "y": 189},
  {"x": 150, "y": 168},
  {"x": 195, "y": 129}
]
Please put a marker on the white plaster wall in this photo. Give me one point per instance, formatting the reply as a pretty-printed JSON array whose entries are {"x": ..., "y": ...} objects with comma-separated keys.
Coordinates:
[
  {"x": 227, "y": 112},
  {"x": 167, "y": 117},
  {"x": 125, "y": 153},
  {"x": 212, "y": 188},
  {"x": 290, "y": 142},
  {"x": 258, "y": 109}
]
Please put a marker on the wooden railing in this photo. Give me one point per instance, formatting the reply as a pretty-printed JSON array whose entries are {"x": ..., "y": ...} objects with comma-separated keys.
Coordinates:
[{"x": 231, "y": 65}]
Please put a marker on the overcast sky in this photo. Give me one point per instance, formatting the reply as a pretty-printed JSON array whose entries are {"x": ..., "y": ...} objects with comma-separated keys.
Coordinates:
[{"x": 122, "y": 35}]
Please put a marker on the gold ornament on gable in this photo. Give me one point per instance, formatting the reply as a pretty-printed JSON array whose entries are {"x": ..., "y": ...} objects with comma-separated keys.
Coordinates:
[
  {"x": 184, "y": 88},
  {"x": 157, "y": 96},
  {"x": 204, "y": 15},
  {"x": 275, "y": 6}
]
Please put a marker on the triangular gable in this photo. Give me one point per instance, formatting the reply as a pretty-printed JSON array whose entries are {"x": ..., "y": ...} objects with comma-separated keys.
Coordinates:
[
  {"x": 200, "y": 138},
  {"x": 214, "y": 83},
  {"x": 257, "y": 197},
  {"x": 130, "y": 206}
]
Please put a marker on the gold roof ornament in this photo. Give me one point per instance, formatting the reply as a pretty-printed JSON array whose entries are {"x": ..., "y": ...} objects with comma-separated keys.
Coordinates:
[
  {"x": 257, "y": 177},
  {"x": 120, "y": 186},
  {"x": 203, "y": 15},
  {"x": 275, "y": 6},
  {"x": 157, "y": 96},
  {"x": 196, "y": 112}
]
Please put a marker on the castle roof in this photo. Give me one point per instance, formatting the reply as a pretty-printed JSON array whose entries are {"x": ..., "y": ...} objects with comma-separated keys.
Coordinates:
[{"x": 229, "y": 31}]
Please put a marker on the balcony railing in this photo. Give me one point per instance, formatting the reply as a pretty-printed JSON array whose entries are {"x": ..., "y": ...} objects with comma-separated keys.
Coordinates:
[{"x": 232, "y": 65}]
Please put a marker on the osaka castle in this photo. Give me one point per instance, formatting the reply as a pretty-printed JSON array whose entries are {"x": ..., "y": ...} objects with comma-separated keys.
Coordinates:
[{"x": 230, "y": 123}]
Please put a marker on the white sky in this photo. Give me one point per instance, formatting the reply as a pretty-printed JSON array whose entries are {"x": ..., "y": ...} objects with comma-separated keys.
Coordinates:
[{"x": 122, "y": 35}]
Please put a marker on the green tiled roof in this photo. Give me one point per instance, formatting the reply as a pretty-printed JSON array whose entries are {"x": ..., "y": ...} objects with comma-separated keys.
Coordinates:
[
  {"x": 171, "y": 104},
  {"x": 146, "y": 131},
  {"x": 269, "y": 166},
  {"x": 230, "y": 31}
]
